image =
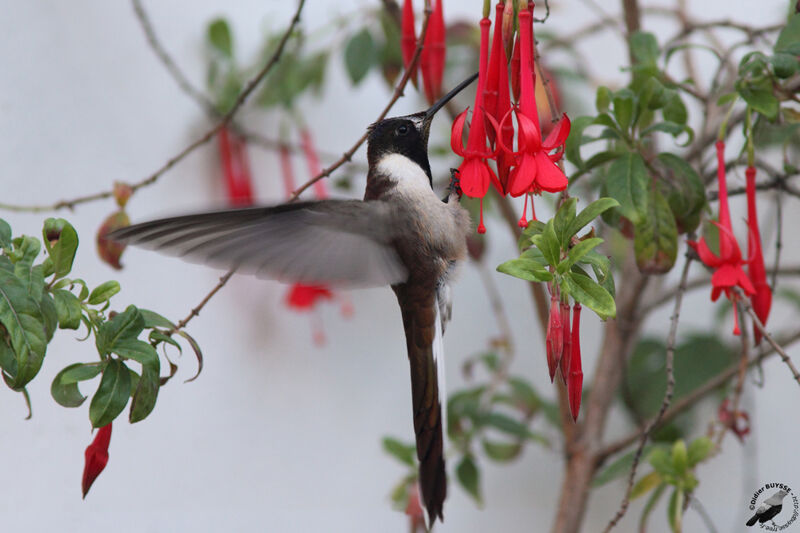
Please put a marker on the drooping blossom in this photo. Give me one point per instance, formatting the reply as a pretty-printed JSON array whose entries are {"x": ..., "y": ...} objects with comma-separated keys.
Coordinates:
[
  {"x": 474, "y": 172},
  {"x": 96, "y": 457},
  {"x": 432, "y": 57},
  {"x": 408, "y": 39},
  {"x": 497, "y": 100},
  {"x": 534, "y": 169},
  {"x": 566, "y": 353},
  {"x": 554, "y": 340},
  {"x": 737, "y": 421},
  {"x": 110, "y": 251},
  {"x": 235, "y": 168},
  {"x": 727, "y": 267},
  {"x": 757, "y": 272},
  {"x": 575, "y": 379}
]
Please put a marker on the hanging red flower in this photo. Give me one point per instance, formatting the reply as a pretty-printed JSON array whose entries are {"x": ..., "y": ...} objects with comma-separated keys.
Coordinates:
[
  {"x": 235, "y": 167},
  {"x": 432, "y": 57},
  {"x": 575, "y": 379},
  {"x": 757, "y": 272},
  {"x": 96, "y": 457},
  {"x": 408, "y": 39}
]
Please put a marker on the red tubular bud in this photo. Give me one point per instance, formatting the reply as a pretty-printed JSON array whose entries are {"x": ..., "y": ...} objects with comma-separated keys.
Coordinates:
[
  {"x": 235, "y": 168},
  {"x": 408, "y": 38},
  {"x": 515, "y": 63},
  {"x": 762, "y": 299},
  {"x": 575, "y": 379},
  {"x": 432, "y": 59},
  {"x": 96, "y": 457},
  {"x": 555, "y": 335},
  {"x": 566, "y": 355}
]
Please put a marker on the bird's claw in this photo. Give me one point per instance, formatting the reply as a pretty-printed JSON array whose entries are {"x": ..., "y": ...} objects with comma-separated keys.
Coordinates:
[{"x": 455, "y": 183}]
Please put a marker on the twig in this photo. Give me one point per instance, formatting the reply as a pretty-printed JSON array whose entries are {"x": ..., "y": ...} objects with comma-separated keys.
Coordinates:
[
  {"x": 691, "y": 399},
  {"x": 665, "y": 403},
  {"x": 760, "y": 327},
  {"x": 243, "y": 96},
  {"x": 778, "y": 240},
  {"x": 196, "y": 310},
  {"x": 398, "y": 92}
]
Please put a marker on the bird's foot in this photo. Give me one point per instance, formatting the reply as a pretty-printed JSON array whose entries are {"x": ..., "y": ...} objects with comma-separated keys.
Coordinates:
[{"x": 455, "y": 183}]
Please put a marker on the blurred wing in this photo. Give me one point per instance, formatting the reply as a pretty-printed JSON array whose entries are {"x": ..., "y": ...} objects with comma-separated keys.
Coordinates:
[{"x": 341, "y": 242}]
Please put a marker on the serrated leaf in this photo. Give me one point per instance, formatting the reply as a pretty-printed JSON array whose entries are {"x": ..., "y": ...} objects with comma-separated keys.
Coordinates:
[
  {"x": 112, "y": 394},
  {"x": 590, "y": 294},
  {"x": 219, "y": 36},
  {"x": 359, "y": 55},
  {"x": 526, "y": 269},
  {"x": 469, "y": 477},
  {"x": 656, "y": 240},
  {"x": 103, "y": 292},
  {"x": 64, "y": 388},
  {"x": 627, "y": 182},
  {"x": 501, "y": 451},
  {"x": 646, "y": 484},
  {"x": 126, "y": 325},
  {"x": 405, "y": 453}
]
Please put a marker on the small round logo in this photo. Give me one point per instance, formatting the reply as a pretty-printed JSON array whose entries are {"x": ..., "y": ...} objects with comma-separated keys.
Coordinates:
[{"x": 774, "y": 506}]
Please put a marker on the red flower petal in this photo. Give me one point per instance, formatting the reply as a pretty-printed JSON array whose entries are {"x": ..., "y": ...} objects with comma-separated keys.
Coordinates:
[
  {"x": 457, "y": 134},
  {"x": 558, "y": 135},
  {"x": 549, "y": 177}
]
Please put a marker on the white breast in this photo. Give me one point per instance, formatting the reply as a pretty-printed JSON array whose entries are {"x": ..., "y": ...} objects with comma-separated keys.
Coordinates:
[{"x": 411, "y": 180}]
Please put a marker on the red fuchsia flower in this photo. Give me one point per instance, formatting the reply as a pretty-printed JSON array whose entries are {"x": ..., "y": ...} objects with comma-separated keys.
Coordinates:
[
  {"x": 515, "y": 61},
  {"x": 762, "y": 299},
  {"x": 432, "y": 57},
  {"x": 408, "y": 39},
  {"x": 474, "y": 173},
  {"x": 728, "y": 272},
  {"x": 554, "y": 341},
  {"x": 96, "y": 456},
  {"x": 497, "y": 100},
  {"x": 304, "y": 297},
  {"x": 736, "y": 421},
  {"x": 235, "y": 167},
  {"x": 575, "y": 379},
  {"x": 566, "y": 353},
  {"x": 535, "y": 169}
]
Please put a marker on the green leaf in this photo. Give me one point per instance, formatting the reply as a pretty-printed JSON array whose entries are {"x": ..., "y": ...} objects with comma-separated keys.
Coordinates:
[
  {"x": 562, "y": 221},
  {"x": 506, "y": 424},
  {"x": 103, "y": 292},
  {"x": 154, "y": 320},
  {"x": 126, "y": 325},
  {"x": 672, "y": 128},
  {"x": 526, "y": 269},
  {"x": 646, "y": 484},
  {"x": 68, "y": 309},
  {"x": 589, "y": 213},
  {"x": 627, "y": 182},
  {"x": 790, "y": 34},
  {"x": 590, "y": 294},
  {"x": 623, "y": 107},
  {"x": 727, "y": 98},
  {"x": 469, "y": 477},
  {"x": 501, "y": 451},
  {"x": 680, "y": 457},
  {"x": 19, "y": 314},
  {"x": 49, "y": 314},
  {"x": 761, "y": 100},
  {"x": 661, "y": 461},
  {"x": 219, "y": 36},
  {"x": 784, "y": 65},
  {"x": 5, "y": 234},
  {"x": 650, "y": 505},
  {"x": 405, "y": 453},
  {"x": 675, "y": 510},
  {"x": 674, "y": 109},
  {"x": 26, "y": 249},
  {"x": 644, "y": 47},
  {"x": 64, "y": 388},
  {"x": 699, "y": 450},
  {"x": 196, "y": 349},
  {"x": 602, "y": 100},
  {"x": 656, "y": 239},
  {"x": 572, "y": 148},
  {"x": 683, "y": 189},
  {"x": 63, "y": 252},
  {"x": 547, "y": 242},
  {"x": 359, "y": 55},
  {"x": 146, "y": 392},
  {"x": 112, "y": 394},
  {"x": 577, "y": 252},
  {"x": 139, "y": 351}
]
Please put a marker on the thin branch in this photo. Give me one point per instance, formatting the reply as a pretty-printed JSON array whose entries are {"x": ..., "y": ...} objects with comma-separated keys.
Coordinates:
[
  {"x": 778, "y": 240},
  {"x": 398, "y": 92},
  {"x": 665, "y": 403},
  {"x": 152, "y": 178},
  {"x": 199, "y": 307},
  {"x": 688, "y": 401}
]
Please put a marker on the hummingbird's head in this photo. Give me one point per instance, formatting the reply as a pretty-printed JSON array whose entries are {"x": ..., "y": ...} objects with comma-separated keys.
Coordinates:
[{"x": 408, "y": 135}]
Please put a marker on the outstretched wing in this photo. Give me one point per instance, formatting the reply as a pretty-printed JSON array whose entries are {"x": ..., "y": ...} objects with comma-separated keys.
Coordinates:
[{"x": 341, "y": 242}]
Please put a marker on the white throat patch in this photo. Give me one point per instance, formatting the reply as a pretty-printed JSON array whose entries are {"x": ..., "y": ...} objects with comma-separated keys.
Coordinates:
[{"x": 411, "y": 180}]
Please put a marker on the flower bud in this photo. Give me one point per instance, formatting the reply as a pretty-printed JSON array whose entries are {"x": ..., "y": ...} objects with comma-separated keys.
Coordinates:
[
  {"x": 96, "y": 457},
  {"x": 555, "y": 335},
  {"x": 111, "y": 251}
]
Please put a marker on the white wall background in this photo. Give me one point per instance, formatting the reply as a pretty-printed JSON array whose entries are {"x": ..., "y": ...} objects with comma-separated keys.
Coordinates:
[{"x": 276, "y": 434}]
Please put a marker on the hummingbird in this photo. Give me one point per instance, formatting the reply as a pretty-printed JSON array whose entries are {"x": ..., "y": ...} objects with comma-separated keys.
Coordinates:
[{"x": 401, "y": 235}]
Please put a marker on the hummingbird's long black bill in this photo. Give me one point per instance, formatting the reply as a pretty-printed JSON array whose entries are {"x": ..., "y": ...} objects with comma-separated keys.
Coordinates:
[{"x": 429, "y": 114}]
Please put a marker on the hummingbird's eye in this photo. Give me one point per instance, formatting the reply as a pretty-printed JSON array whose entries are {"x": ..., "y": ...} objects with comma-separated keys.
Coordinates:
[{"x": 402, "y": 129}]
